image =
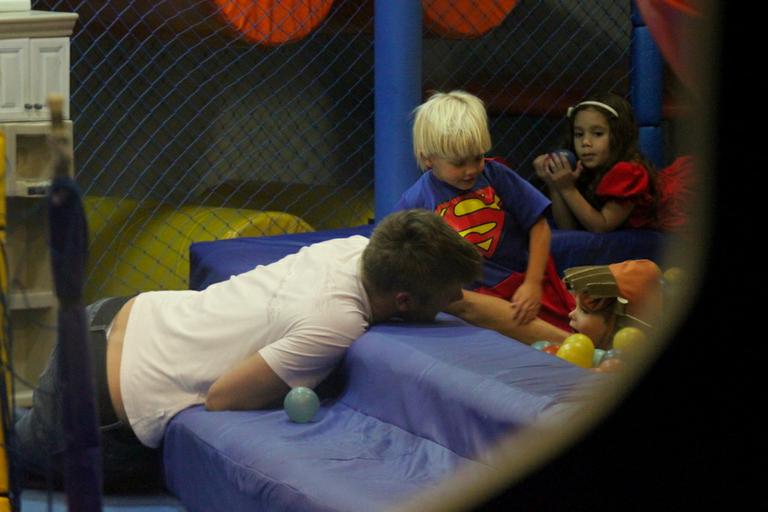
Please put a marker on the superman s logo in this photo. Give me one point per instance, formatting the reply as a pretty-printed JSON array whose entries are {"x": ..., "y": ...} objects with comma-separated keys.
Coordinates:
[{"x": 477, "y": 216}]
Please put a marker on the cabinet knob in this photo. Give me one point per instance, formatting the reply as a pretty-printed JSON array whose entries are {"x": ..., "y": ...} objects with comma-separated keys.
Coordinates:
[
  {"x": 28, "y": 106},
  {"x": 38, "y": 106}
]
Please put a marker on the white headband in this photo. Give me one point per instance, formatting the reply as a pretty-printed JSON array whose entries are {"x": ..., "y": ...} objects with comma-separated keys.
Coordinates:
[{"x": 594, "y": 104}]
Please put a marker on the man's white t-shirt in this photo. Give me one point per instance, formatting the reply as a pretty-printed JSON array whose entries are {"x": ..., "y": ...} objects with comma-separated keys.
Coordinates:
[{"x": 300, "y": 313}]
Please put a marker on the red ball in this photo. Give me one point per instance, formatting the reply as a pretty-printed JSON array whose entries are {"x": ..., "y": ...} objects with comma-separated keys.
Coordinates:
[{"x": 552, "y": 349}]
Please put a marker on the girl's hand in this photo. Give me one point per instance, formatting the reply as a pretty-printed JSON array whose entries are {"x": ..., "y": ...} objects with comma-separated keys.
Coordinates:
[
  {"x": 540, "y": 165},
  {"x": 526, "y": 303},
  {"x": 561, "y": 176}
]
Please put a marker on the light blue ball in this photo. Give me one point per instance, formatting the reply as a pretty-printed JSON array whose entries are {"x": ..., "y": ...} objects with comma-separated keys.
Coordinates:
[
  {"x": 598, "y": 357},
  {"x": 301, "y": 404},
  {"x": 541, "y": 344}
]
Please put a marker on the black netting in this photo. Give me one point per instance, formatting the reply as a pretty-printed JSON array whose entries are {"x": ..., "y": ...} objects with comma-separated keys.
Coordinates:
[{"x": 188, "y": 127}]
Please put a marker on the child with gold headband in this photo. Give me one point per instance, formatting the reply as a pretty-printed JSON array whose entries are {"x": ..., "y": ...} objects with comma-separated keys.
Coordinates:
[{"x": 611, "y": 297}]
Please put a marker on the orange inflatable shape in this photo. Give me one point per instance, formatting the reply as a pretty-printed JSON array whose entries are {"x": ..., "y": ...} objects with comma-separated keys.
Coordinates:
[
  {"x": 465, "y": 18},
  {"x": 274, "y": 22}
]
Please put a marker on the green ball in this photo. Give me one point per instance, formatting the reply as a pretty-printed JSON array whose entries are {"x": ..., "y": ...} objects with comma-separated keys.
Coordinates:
[
  {"x": 541, "y": 344},
  {"x": 301, "y": 404}
]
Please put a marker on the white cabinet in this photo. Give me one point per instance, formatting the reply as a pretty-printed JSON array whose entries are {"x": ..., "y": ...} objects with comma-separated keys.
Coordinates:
[
  {"x": 15, "y": 5},
  {"x": 14, "y": 76},
  {"x": 34, "y": 62},
  {"x": 31, "y": 69}
]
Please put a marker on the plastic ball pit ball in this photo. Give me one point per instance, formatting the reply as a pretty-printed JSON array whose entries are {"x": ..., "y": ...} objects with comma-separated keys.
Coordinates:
[{"x": 301, "y": 404}]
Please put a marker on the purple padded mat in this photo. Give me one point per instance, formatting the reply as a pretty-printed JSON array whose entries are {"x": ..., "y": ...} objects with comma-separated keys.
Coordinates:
[{"x": 417, "y": 402}]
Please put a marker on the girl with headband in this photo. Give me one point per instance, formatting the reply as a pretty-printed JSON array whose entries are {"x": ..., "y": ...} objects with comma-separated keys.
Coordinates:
[{"x": 612, "y": 184}]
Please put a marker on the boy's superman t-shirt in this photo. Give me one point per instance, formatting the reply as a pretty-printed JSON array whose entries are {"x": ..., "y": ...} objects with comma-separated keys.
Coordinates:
[{"x": 496, "y": 215}]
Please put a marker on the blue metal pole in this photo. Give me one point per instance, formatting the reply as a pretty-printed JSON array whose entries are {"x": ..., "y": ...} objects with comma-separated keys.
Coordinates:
[
  {"x": 397, "y": 91},
  {"x": 647, "y": 86}
]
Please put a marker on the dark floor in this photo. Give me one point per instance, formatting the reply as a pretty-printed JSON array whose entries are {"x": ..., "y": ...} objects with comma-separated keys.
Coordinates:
[{"x": 33, "y": 500}]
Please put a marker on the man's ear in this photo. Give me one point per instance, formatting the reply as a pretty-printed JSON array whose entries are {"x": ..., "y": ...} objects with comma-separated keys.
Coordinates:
[{"x": 403, "y": 301}]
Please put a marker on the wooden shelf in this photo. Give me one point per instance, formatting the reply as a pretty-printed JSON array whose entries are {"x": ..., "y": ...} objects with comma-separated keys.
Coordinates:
[{"x": 28, "y": 158}]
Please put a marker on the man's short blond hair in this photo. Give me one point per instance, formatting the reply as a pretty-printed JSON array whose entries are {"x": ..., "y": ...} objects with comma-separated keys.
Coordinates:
[{"x": 452, "y": 125}]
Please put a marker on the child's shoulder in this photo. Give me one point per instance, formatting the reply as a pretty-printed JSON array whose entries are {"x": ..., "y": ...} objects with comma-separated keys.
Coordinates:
[
  {"x": 627, "y": 168},
  {"x": 500, "y": 174},
  {"x": 497, "y": 167},
  {"x": 415, "y": 194},
  {"x": 624, "y": 179},
  {"x": 497, "y": 162}
]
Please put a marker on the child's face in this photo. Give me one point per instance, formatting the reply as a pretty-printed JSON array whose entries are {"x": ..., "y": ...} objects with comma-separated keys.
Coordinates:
[
  {"x": 462, "y": 175},
  {"x": 593, "y": 325},
  {"x": 591, "y": 136}
]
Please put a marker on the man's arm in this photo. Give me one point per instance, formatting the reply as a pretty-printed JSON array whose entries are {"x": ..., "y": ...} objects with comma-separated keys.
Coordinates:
[
  {"x": 496, "y": 314},
  {"x": 252, "y": 384}
]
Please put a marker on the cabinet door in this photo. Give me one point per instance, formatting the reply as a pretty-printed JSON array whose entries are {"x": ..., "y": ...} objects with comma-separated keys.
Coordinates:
[
  {"x": 49, "y": 69},
  {"x": 14, "y": 80}
]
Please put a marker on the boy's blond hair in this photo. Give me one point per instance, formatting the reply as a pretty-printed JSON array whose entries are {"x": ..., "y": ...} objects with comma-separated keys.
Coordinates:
[{"x": 452, "y": 125}]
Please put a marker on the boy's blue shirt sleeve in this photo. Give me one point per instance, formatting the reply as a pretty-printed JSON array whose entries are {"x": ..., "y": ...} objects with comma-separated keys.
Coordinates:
[{"x": 524, "y": 202}]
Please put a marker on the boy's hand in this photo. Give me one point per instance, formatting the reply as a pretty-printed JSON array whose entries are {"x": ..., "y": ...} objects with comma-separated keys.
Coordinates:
[{"x": 526, "y": 303}]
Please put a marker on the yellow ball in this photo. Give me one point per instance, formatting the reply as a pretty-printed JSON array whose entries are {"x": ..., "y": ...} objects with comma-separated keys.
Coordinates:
[
  {"x": 579, "y": 339},
  {"x": 578, "y": 352},
  {"x": 674, "y": 275},
  {"x": 629, "y": 338}
]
